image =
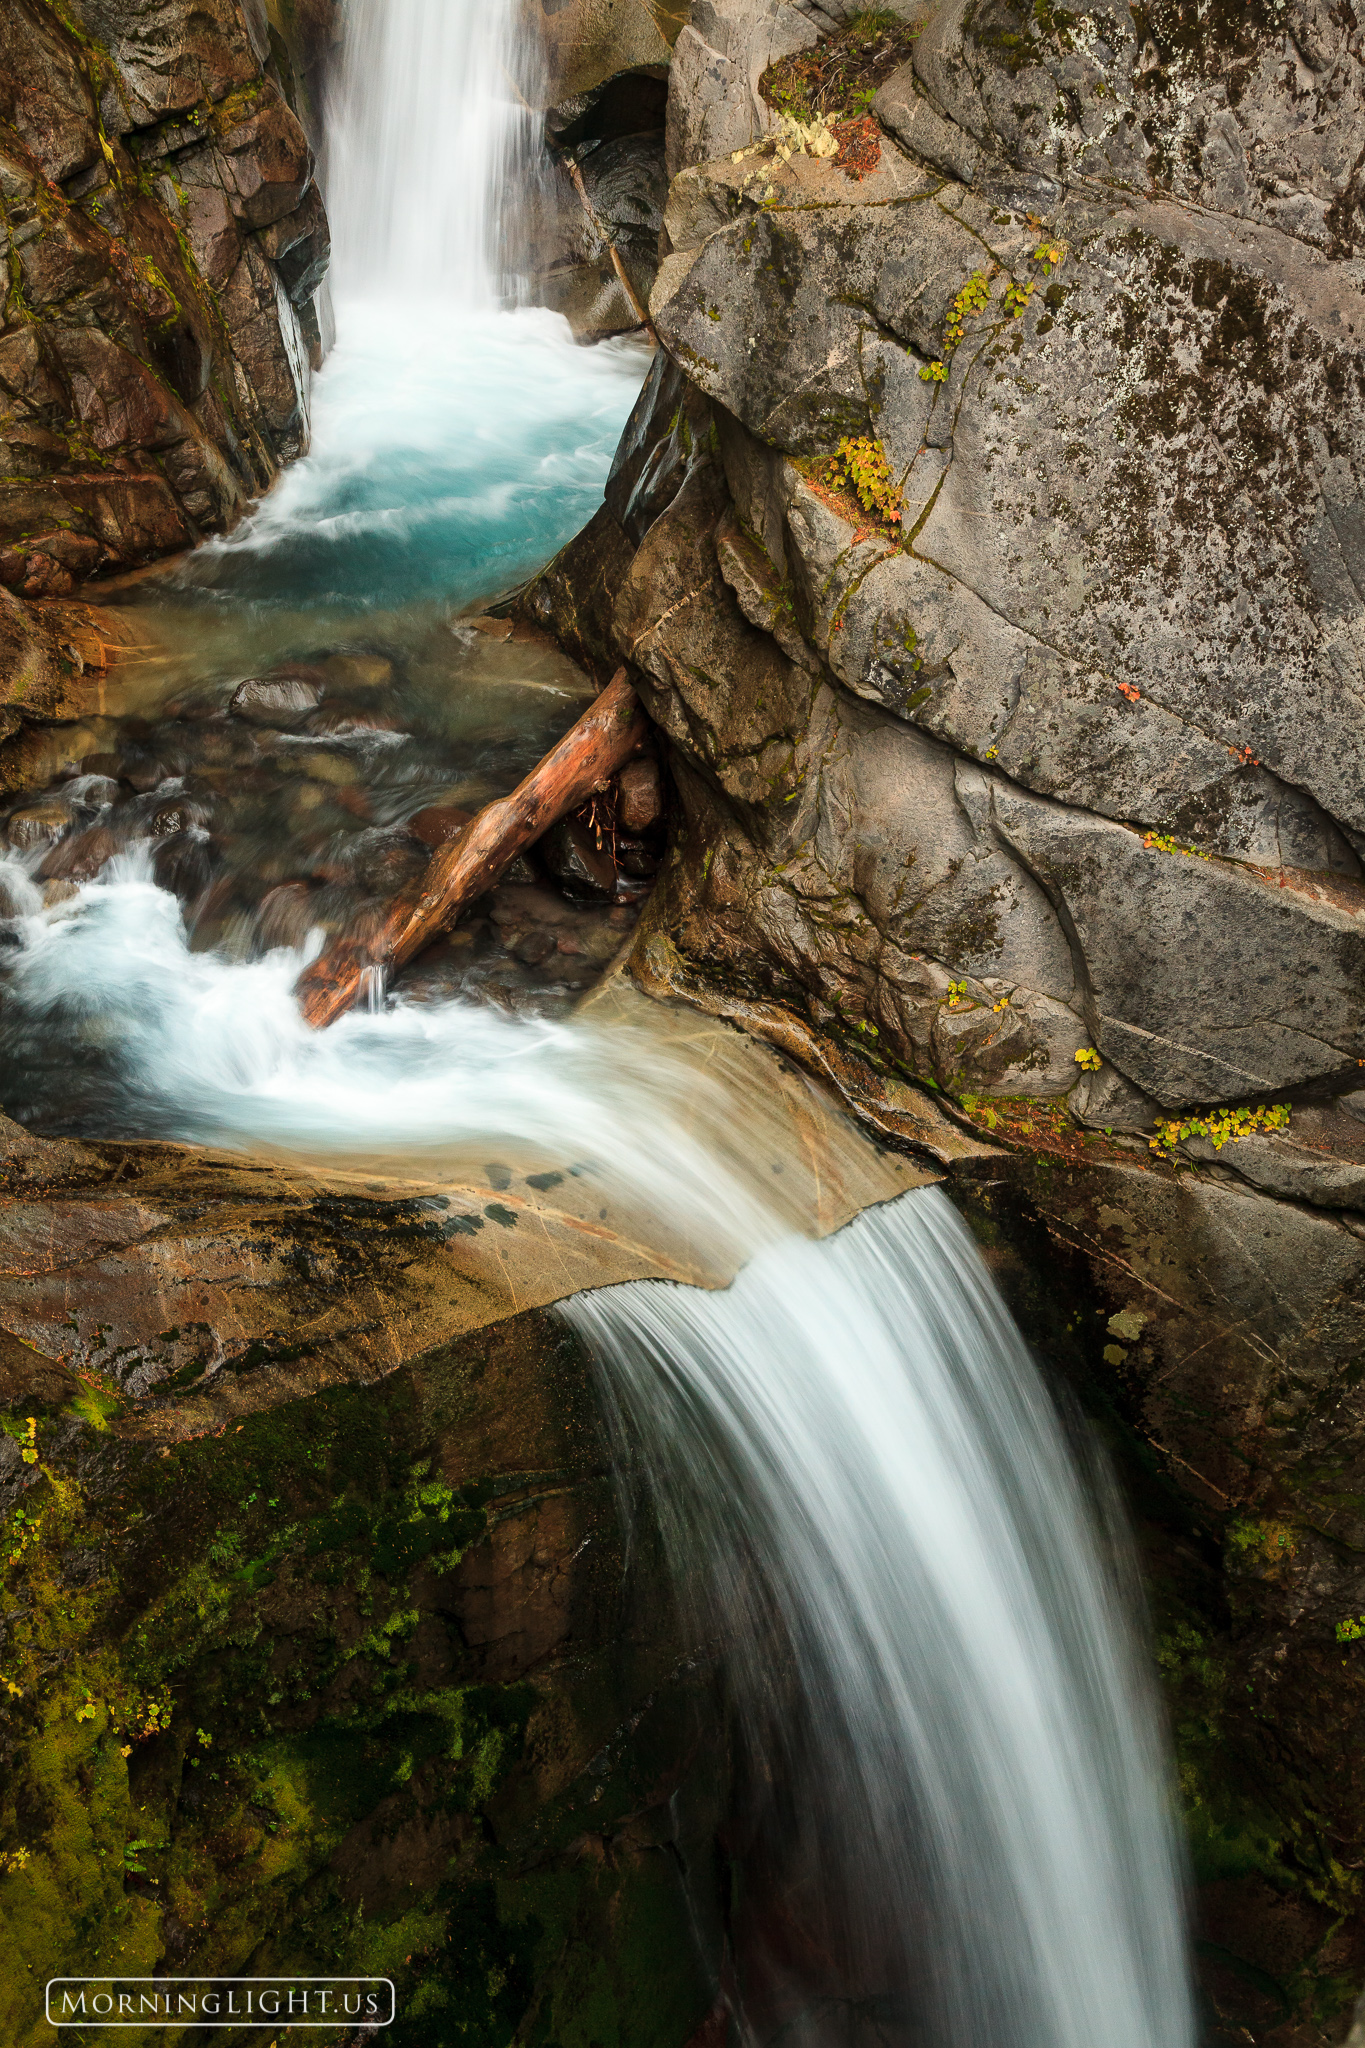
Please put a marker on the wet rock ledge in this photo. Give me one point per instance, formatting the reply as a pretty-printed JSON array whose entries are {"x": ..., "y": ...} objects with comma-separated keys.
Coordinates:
[{"x": 319, "y": 1637}]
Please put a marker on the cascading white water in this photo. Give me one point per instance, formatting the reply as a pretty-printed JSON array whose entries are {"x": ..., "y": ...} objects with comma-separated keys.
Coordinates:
[
  {"x": 983, "y": 1790},
  {"x": 456, "y": 442},
  {"x": 425, "y": 129}
]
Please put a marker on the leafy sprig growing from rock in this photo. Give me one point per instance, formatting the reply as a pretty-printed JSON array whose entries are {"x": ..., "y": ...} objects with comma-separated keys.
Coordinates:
[
  {"x": 1220, "y": 1126},
  {"x": 1162, "y": 842},
  {"x": 974, "y": 297},
  {"x": 860, "y": 465}
]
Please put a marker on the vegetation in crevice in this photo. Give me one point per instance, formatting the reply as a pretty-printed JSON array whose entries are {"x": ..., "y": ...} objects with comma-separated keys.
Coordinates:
[{"x": 839, "y": 78}]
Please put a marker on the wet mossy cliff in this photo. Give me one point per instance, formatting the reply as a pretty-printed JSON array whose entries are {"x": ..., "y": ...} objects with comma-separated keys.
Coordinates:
[
  {"x": 989, "y": 544},
  {"x": 321, "y": 1649}
]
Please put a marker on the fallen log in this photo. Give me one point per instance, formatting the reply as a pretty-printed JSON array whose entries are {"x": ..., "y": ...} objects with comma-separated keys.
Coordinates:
[{"x": 587, "y": 757}]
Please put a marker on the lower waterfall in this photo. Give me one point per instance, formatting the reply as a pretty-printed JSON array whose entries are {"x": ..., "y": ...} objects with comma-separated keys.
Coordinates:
[
  {"x": 862, "y": 1482},
  {"x": 966, "y": 1835}
]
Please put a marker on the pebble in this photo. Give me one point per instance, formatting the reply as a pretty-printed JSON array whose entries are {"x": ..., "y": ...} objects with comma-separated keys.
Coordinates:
[
  {"x": 437, "y": 823},
  {"x": 358, "y": 671}
]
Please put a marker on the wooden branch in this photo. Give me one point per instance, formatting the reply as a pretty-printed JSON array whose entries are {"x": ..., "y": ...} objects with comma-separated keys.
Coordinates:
[{"x": 587, "y": 757}]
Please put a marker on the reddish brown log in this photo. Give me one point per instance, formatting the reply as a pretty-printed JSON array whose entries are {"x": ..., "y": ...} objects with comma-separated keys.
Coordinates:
[{"x": 585, "y": 759}]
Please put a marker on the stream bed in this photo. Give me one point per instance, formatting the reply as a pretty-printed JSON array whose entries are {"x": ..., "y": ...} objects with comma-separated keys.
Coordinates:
[{"x": 316, "y": 703}]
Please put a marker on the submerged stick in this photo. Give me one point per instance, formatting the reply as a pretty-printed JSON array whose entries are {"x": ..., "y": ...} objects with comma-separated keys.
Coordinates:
[{"x": 589, "y": 754}]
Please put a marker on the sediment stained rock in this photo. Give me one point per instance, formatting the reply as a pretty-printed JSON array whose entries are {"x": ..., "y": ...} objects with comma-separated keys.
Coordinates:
[{"x": 166, "y": 243}]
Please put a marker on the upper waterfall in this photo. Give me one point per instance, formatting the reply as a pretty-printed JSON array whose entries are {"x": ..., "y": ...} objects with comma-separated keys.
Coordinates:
[{"x": 425, "y": 128}]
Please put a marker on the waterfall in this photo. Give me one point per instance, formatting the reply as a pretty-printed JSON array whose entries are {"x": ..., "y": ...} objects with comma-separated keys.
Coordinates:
[
  {"x": 426, "y": 127},
  {"x": 857, "y": 1469},
  {"x": 456, "y": 443}
]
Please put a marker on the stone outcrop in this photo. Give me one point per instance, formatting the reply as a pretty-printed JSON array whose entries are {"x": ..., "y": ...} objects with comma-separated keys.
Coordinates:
[
  {"x": 1043, "y": 747},
  {"x": 166, "y": 241},
  {"x": 321, "y": 1637}
]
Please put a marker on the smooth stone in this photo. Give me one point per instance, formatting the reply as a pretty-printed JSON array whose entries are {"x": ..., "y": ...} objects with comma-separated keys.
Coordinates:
[
  {"x": 438, "y": 824},
  {"x": 40, "y": 823},
  {"x": 265, "y": 700},
  {"x": 639, "y": 802}
]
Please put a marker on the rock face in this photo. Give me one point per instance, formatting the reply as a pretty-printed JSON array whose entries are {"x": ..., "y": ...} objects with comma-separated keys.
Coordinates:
[
  {"x": 1118, "y": 604},
  {"x": 166, "y": 242},
  {"x": 594, "y": 214},
  {"x": 1026, "y": 731}
]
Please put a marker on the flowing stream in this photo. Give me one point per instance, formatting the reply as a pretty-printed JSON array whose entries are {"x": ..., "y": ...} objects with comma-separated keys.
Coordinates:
[{"x": 958, "y": 1811}]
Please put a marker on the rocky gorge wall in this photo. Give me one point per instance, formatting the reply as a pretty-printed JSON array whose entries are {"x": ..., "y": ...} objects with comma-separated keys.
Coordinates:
[
  {"x": 165, "y": 241},
  {"x": 322, "y": 1648},
  {"x": 989, "y": 543}
]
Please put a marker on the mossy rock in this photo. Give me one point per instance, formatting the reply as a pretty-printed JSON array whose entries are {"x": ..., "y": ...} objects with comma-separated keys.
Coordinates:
[{"x": 361, "y": 1684}]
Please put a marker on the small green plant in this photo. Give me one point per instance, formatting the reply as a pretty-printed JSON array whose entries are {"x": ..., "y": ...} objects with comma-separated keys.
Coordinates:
[
  {"x": 88, "y": 1709},
  {"x": 23, "y": 1532},
  {"x": 29, "y": 1452},
  {"x": 1269, "y": 1543},
  {"x": 1351, "y": 1630},
  {"x": 860, "y": 465},
  {"x": 1161, "y": 842},
  {"x": 973, "y": 298},
  {"x": 1221, "y": 1126},
  {"x": 1089, "y": 1060},
  {"x": 957, "y": 992},
  {"x": 140, "y": 1718}
]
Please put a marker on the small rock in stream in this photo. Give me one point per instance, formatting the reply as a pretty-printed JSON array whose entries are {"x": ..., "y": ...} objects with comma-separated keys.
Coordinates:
[
  {"x": 92, "y": 792},
  {"x": 183, "y": 863},
  {"x": 379, "y": 862},
  {"x": 639, "y": 802},
  {"x": 80, "y": 858},
  {"x": 286, "y": 916},
  {"x": 274, "y": 700},
  {"x": 438, "y": 823},
  {"x": 40, "y": 823},
  {"x": 571, "y": 853},
  {"x": 357, "y": 671}
]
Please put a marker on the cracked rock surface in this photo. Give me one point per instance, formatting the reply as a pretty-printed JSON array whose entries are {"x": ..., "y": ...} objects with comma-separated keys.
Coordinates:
[
  {"x": 165, "y": 240},
  {"x": 1123, "y": 595}
]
